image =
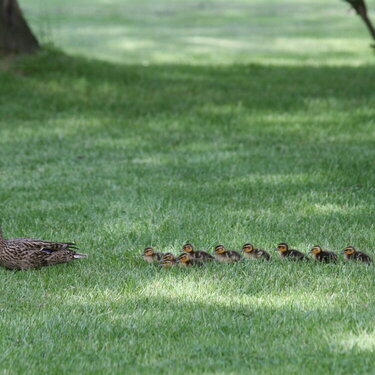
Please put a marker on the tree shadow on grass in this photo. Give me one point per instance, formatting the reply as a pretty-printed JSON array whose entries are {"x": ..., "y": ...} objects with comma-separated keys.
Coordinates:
[
  {"x": 249, "y": 146},
  {"x": 71, "y": 85}
]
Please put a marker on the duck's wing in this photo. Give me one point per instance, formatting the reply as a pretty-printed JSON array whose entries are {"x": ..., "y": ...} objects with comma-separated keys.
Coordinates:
[{"x": 34, "y": 244}]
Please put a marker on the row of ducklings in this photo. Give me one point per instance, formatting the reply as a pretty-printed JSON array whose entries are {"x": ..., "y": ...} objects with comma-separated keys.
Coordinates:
[{"x": 191, "y": 257}]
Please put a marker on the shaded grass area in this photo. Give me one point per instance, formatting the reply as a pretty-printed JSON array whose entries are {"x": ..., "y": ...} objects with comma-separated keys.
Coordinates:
[{"x": 119, "y": 158}]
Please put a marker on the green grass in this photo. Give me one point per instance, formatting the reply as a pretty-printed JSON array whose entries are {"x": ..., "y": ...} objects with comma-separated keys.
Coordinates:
[
  {"x": 119, "y": 157},
  {"x": 205, "y": 31}
]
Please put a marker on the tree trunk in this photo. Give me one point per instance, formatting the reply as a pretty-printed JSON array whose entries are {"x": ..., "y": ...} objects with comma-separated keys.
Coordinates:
[
  {"x": 369, "y": 25},
  {"x": 361, "y": 9},
  {"x": 15, "y": 34}
]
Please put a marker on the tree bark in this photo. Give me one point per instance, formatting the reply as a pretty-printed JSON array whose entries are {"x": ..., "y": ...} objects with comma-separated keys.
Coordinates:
[
  {"x": 361, "y": 9},
  {"x": 369, "y": 25},
  {"x": 15, "y": 34}
]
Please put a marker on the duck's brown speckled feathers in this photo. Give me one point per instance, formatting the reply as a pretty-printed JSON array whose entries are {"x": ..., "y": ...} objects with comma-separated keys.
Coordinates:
[
  {"x": 197, "y": 254},
  {"x": 323, "y": 256},
  {"x": 24, "y": 253},
  {"x": 352, "y": 254},
  {"x": 30, "y": 243},
  {"x": 291, "y": 254},
  {"x": 226, "y": 256},
  {"x": 252, "y": 253}
]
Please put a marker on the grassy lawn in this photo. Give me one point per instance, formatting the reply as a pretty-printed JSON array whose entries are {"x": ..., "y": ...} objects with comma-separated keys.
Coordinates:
[
  {"x": 205, "y": 31},
  {"x": 121, "y": 156}
]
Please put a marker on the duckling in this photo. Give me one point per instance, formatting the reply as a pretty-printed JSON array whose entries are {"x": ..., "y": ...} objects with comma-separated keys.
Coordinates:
[
  {"x": 25, "y": 253},
  {"x": 169, "y": 256},
  {"x": 251, "y": 253},
  {"x": 285, "y": 252},
  {"x": 201, "y": 255},
  {"x": 184, "y": 260},
  {"x": 168, "y": 262},
  {"x": 323, "y": 256},
  {"x": 226, "y": 256},
  {"x": 352, "y": 254},
  {"x": 150, "y": 256}
]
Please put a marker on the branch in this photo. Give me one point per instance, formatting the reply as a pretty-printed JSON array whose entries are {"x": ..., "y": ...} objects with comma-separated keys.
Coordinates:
[{"x": 360, "y": 8}]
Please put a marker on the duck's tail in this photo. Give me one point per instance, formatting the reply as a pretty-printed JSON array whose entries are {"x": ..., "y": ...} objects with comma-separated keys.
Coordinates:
[{"x": 79, "y": 255}]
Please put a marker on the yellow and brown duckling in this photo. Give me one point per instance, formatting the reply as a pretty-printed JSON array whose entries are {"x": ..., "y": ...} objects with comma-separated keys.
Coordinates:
[
  {"x": 150, "y": 256},
  {"x": 200, "y": 255},
  {"x": 251, "y": 253},
  {"x": 226, "y": 256},
  {"x": 352, "y": 254},
  {"x": 169, "y": 256},
  {"x": 323, "y": 256},
  {"x": 184, "y": 260},
  {"x": 169, "y": 260},
  {"x": 285, "y": 252}
]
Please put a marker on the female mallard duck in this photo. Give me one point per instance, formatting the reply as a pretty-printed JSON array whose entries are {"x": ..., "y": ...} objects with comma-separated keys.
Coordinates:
[
  {"x": 226, "y": 256},
  {"x": 352, "y": 254},
  {"x": 323, "y": 256},
  {"x": 285, "y": 252},
  {"x": 24, "y": 253},
  {"x": 184, "y": 260},
  {"x": 251, "y": 253},
  {"x": 201, "y": 255},
  {"x": 150, "y": 256}
]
